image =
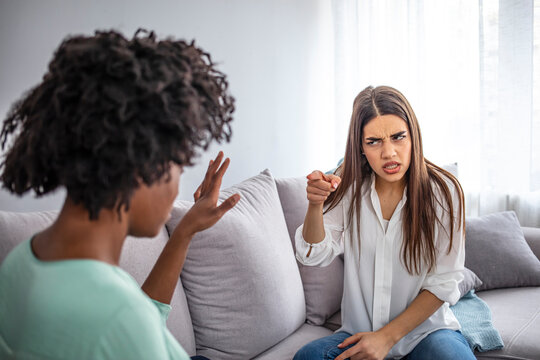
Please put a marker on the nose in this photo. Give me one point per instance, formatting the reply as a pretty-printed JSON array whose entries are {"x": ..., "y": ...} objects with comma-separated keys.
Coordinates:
[{"x": 388, "y": 150}]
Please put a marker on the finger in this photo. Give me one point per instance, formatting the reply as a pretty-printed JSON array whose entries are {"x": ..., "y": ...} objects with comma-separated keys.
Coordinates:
[
  {"x": 316, "y": 198},
  {"x": 217, "y": 160},
  {"x": 316, "y": 175},
  {"x": 197, "y": 193},
  {"x": 334, "y": 180},
  {"x": 317, "y": 191},
  {"x": 320, "y": 184},
  {"x": 212, "y": 166},
  {"x": 228, "y": 204},
  {"x": 348, "y": 353},
  {"x": 350, "y": 340},
  {"x": 204, "y": 183},
  {"x": 218, "y": 177}
]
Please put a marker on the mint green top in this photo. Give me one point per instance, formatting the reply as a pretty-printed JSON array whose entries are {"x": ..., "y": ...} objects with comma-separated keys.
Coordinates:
[{"x": 78, "y": 309}]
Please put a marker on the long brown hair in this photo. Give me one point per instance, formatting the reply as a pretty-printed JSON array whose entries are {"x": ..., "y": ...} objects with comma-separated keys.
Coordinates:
[{"x": 419, "y": 215}]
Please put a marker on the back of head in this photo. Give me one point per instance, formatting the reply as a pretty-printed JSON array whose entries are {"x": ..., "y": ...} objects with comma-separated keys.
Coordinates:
[{"x": 112, "y": 112}]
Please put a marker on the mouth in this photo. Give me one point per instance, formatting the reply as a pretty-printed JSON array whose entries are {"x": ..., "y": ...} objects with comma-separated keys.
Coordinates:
[{"x": 391, "y": 167}]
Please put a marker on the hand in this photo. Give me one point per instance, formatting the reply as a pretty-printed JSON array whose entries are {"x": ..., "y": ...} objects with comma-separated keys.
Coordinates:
[
  {"x": 369, "y": 346},
  {"x": 319, "y": 186},
  {"x": 205, "y": 212}
]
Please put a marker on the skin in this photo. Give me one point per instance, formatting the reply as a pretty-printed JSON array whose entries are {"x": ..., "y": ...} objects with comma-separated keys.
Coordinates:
[
  {"x": 74, "y": 236},
  {"x": 385, "y": 138}
]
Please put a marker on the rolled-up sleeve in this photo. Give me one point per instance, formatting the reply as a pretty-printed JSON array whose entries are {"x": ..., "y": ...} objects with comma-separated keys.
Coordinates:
[
  {"x": 322, "y": 253},
  {"x": 447, "y": 273}
]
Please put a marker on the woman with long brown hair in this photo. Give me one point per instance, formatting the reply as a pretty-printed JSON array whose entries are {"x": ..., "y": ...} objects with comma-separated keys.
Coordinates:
[{"x": 398, "y": 220}]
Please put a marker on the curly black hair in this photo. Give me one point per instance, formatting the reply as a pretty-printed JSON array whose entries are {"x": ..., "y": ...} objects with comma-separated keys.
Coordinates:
[{"x": 111, "y": 112}]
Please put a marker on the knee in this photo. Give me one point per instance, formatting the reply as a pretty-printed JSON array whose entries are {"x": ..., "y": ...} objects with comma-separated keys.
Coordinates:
[{"x": 446, "y": 344}]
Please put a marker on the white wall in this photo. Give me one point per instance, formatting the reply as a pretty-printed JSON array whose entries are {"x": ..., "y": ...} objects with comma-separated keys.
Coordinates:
[{"x": 277, "y": 58}]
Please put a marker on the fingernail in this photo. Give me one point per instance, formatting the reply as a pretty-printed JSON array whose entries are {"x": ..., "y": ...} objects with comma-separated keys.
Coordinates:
[{"x": 335, "y": 185}]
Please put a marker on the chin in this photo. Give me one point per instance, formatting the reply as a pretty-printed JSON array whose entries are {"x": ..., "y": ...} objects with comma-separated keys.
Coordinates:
[
  {"x": 146, "y": 232},
  {"x": 391, "y": 178}
]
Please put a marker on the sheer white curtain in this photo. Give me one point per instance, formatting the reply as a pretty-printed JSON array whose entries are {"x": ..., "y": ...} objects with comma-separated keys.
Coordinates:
[{"x": 471, "y": 72}]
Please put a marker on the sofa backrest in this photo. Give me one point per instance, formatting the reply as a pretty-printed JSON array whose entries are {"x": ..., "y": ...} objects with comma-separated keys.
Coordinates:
[
  {"x": 532, "y": 235},
  {"x": 138, "y": 257}
]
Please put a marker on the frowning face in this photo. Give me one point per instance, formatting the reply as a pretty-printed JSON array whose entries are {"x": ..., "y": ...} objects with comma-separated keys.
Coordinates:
[{"x": 386, "y": 144}]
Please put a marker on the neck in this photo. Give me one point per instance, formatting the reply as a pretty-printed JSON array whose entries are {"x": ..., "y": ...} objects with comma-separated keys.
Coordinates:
[
  {"x": 74, "y": 236},
  {"x": 389, "y": 188}
]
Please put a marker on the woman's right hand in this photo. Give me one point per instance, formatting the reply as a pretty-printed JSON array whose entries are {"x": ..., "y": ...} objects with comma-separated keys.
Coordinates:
[
  {"x": 205, "y": 212},
  {"x": 320, "y": 186}
]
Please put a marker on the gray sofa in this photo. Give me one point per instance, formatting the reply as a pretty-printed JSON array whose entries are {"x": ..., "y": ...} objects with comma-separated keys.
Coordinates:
[{"x": 242, "y": 294}]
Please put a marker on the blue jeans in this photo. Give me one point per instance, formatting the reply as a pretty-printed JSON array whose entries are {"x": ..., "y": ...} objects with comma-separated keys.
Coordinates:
[{"x": 441, "y": 345}]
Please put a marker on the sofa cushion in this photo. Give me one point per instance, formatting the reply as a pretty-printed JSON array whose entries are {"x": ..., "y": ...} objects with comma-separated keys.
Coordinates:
[
  {"x": 334, "y": 322},
  {"x": 323, "y": 286},
  {"x": 137, "y": 258},
  {"x": 516, "y": 315},
  {"x": 289, "y": 346},
  {"x": 532, "y": 235},
  {"x": 470, "y": 282},
  {"x": 497, "y": 252},
  {"x": 18, "y": 227},
  {"x": 242, "y": 284}
]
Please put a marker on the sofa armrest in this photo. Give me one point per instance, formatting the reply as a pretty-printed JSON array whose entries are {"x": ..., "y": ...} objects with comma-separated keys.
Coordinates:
[{"x": 532, "y": 235}]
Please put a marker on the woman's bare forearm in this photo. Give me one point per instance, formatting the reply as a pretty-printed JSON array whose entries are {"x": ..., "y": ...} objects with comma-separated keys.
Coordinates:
[
  {"x": 163, "y": 278},
  {"x": 313, "y": 231},
  {"x": 421, "y": 308}
]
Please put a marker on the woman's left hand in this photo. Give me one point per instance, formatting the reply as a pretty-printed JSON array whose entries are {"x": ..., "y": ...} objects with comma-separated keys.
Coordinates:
[{"x": 369, "y": 346}]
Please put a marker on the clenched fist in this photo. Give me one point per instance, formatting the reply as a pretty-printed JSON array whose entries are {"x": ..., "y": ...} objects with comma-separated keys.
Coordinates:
[{"x": 320, "y": 186}]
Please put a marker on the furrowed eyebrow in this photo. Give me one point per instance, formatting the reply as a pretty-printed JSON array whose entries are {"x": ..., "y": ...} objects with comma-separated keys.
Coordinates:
[
  {"x": 393, "y": 135},
  {"x": 399, "y": 133}
]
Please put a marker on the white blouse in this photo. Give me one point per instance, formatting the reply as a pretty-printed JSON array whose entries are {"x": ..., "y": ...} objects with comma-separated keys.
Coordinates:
[{"x": 377, "y": 287}]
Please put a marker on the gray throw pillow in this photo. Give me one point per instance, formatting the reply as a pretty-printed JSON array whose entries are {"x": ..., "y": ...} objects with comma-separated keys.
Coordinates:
[
  {"x": 323, "y": 286},
  {"x": 240, "y": 276},
  {"x": 497, "y": 252},
  {"x": 470, "y": 282}
]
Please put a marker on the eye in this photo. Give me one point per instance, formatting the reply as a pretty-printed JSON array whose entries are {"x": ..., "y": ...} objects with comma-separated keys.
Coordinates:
[
  {"x": 399, "y": 137},
  {"x": 372, "y": 142}
]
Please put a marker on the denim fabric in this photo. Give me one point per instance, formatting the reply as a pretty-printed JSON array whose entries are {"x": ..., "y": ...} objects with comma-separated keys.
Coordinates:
[
  {"x": 441, "y": 345},
  {"x": 324, "y": 348}
]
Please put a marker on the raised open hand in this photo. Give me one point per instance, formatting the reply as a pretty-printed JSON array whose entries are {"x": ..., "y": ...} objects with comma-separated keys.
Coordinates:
[
  {"x": 320, "y": 185},
  {"x": 205, "y": 212}
]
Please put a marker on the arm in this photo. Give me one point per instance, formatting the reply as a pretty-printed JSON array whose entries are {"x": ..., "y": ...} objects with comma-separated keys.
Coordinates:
[
  {"x": 318, "y": 189},
  {"x": 163, "y": 278},
  {"x": 318, "y": 240}
]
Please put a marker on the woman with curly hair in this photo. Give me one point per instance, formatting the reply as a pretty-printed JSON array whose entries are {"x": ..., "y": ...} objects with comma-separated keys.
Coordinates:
[
  {"x": 114, "y": 121},
  {"x": 397, "y": 219}
]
